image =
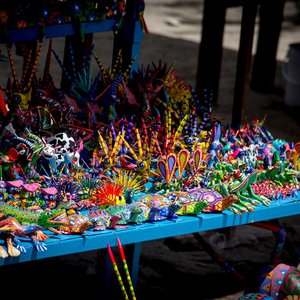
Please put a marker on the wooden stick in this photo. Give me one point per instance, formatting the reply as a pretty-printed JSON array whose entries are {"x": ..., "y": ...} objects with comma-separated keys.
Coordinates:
[
  {"x": 113, "y": 261},
  {"x": 126, "y": 269}
]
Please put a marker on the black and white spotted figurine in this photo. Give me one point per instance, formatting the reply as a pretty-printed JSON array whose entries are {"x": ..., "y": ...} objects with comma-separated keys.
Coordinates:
[{"x": 61, "y": 148}]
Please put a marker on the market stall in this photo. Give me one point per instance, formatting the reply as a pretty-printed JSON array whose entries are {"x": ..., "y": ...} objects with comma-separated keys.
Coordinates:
[{"x": 122, "y": 153}]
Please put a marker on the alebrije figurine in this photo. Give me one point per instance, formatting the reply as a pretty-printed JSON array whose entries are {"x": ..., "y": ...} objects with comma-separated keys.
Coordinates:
[
  {"x": 189, "y": 205},
  {"x": 100, "y": 219},
  {"x": 109, "y": 193},
  {"x": 255, "y": 296},
  {"x": 13, "y": 188},
  {"x": 29, "y": 192},
  {"x": 120, "y": 215},
  {"x": 172, "y": 168},
  {"x": 215, "y": 202},
  {"x": 132, "y": 184},
  {"x": 277, "y": 283},
  {"x": 29, "y": 147},
  {"x": 49, "y": 195},
  {"x": 3, "y": 193},
  {"x": 160, "y": 211},
  {"x": 78, "y": 224},
  {"x": 107, "y": 155},
  {"x": 242, "y": 187},
  {"x": 13, "y": 230},
  {"x": 139, "y": 212},
  {"x": 19, "y": 92},
  {"x": 161, "y": 207},
  {"x": 215, "y": 145},
  {"x": 149, "y": 199},
  {"x": 61, "y": 150},
  {"x": 167, "y": 167},
  {"x": 46, "y": 218},
  {"x": 139, "y": 159},
  {"x": 86, "y": 187},
  {"x": 196, "y": 170}
]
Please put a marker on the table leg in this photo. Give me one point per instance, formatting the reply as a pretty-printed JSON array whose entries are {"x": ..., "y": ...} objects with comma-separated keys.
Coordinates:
[
  {"x": 133, "y": 252},
  {"x": 225, "y": 265},
  {"x": 280, "y": 235},
  {"x": 104, "y": 269}
]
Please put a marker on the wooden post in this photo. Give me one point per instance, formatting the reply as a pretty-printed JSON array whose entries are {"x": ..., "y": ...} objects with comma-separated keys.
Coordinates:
[
  {"x": 211, "y": 47},
  {"x": 265, "y": 62},
  {"x": 241, "y": 88}
]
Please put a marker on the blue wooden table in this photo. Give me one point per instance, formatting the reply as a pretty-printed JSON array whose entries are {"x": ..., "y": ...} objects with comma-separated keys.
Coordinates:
[
  {"x": 134, "y": 235},
  {"x": 137, "y": 233}
]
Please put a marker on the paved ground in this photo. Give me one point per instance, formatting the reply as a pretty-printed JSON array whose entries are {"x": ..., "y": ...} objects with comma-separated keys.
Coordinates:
[{"x": 175, "y": 28}]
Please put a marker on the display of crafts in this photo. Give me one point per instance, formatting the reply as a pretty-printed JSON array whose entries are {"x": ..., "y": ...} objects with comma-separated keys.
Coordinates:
[
  {"x": 23, "y": 14},
  {"x": 17, "y": 14},
  {"x": 113, "y": 150}
]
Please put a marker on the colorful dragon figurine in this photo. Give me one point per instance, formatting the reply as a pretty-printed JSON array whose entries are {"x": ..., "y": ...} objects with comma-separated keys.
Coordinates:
[{"x": 46, "y": 219}]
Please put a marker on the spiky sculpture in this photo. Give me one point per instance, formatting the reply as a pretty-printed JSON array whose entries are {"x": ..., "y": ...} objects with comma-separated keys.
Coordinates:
[
  {"x": 109, "y": 193},
  {"x": 87, "y": 186},
  {"x": 131, "y": 182},
  {"x": 19, "y": 92},
  {"x": 178, "y": 92}
]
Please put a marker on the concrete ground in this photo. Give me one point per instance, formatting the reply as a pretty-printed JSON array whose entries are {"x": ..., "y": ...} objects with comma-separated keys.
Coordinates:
[{"x": 177, "y": 27}]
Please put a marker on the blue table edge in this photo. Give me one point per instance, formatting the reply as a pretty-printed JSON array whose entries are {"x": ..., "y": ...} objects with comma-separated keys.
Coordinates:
[{"x": 59, "y": 245}]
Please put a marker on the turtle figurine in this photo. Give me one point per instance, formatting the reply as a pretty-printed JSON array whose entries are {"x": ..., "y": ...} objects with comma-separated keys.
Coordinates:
[
  {"x": 78, "y": 224},
  {"x": 188, "y": 205},
  {"x": 161, "y": 208},
  {"x": 100, "y": 219},
  {"x": 216, "y": 201},
  {"x": 149, "y": 198},
  {"x": 139, "y": 212},
  {"x": 162, "y": 212}
]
